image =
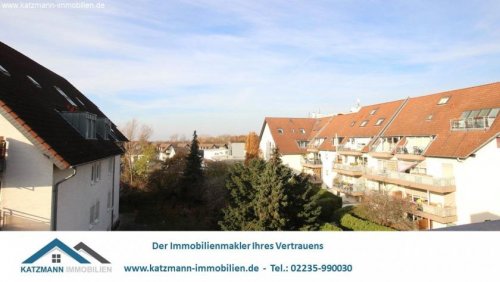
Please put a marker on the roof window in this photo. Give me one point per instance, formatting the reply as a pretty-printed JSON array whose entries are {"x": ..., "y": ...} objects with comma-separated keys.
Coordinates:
[
  {"x": 429, "y": 117},
  {"x": 79, "y": 101},
  {"x": 65, "y": 96},
  {"x": 444, "y": 100},
  {"x": 4, "y": 71},
  {"x": 34, "y": 81},
  {"x": 353, "y": 123},
  {"x": 380, "y": 121},
  {"x": 302, "y": 130},
  {"x": 280, "y": 130},
  {"x": 363, "y": 123},
  {"x": 374, "y": 111}
]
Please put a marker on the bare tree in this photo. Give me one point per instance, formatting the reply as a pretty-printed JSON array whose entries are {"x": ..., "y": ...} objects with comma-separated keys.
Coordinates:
[{"x": 134, "y": 132}]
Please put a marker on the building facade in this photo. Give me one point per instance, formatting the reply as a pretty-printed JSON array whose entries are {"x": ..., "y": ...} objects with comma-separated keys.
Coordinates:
[{"x": 60, "y": 155}]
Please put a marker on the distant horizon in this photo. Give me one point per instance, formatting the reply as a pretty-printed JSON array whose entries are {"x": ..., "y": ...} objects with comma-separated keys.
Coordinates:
[{"x": 220, "y": 67}]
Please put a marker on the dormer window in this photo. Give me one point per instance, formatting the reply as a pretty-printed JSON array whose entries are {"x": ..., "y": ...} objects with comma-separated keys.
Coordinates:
[
  {"x": 280, "y": 130},
  {"x": 4, "y": 71},
  {"x": 380, "y": 121},
  {"x": 65, "y": 96},
  {"x": 363, "y": 123},
  {"x": 302, "y": 130},
  {"x": 444, "y": 100},
  {"x": 34, "y": 81},
  {"x": 374, "y": 111}
]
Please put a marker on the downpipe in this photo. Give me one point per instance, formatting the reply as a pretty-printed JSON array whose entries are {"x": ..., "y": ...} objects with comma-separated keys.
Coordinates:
[{"x": 55, "y": 191}]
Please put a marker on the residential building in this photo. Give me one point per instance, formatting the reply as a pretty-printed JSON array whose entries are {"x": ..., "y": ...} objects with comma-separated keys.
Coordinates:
[
  {"x": 439, "y": 151},
  {"x": 60, "y": 155}
]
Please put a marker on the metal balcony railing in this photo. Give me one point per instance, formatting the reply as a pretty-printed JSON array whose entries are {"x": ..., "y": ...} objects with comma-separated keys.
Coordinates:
[
  {"x": 471, "y": 123},
  {"x": 415, "y": 150},
  {"x": 312, "y": 161}
]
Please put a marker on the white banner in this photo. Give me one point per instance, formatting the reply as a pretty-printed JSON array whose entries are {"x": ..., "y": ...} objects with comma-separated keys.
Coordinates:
[{"x": 249, "y": 256}]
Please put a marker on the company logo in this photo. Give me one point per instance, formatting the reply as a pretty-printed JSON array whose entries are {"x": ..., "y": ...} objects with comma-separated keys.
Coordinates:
[{"x": 59, "y": 257}]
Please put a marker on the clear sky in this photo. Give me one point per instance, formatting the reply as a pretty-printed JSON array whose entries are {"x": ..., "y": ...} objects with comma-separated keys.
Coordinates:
[{"x": 222, "y": 66}]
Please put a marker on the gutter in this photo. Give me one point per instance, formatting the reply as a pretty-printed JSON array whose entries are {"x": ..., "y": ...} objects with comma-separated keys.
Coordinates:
[{"x": 55, "y": 191}]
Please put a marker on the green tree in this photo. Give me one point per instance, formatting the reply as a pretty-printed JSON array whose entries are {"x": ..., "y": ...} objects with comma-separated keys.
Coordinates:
[
  {"x": 141, "y": 167},
  {"x": 192, "y": 176},
  {"x": 268, "y": 196}
]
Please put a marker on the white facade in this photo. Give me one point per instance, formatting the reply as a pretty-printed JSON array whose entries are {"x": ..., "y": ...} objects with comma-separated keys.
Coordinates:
[
  {"x": 216, "y": 154},
  {"x": 27, "y": 184},
  {"x": 267, "y": 143}
]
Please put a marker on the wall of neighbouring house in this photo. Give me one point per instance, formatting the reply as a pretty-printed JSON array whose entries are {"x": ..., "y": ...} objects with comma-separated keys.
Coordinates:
[
  {"x": 26, "y": 183},
  {"x": 478, "y": 186},
  {"x": 327, "y": 173},
  {"x": 266, "y": 143},
  {"x": 293, "y": 161},
  {"x": 78, "y": 194}
]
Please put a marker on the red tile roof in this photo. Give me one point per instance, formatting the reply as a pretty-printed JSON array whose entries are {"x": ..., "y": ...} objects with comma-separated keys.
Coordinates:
[
  {"x": 287, "y": 141},
  {"x": 412, "y": 120}
]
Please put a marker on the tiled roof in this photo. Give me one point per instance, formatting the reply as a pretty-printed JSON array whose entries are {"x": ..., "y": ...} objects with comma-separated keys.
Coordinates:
[
  {"x": 34, "y": 111},
  {"x": 293, "y": 130},
  {"x": 412, "y": 120},
  {"x": 350, "y": 125}
]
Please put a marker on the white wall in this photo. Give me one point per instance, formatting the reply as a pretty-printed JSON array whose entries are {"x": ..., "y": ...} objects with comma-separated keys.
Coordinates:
[
  {"x": 78, "y": 194},
  {"x": 26, "y": 184},
  {"x": 293, "y": 161},
  {"x": 215, "y": 154},
  {"x": 267, "y": 143},
  {"x": 327, "y": 173},
  {"x": 478, "y": 186}
]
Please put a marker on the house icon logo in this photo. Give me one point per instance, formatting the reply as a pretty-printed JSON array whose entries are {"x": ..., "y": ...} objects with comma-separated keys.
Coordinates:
[{"x": 56, "y": 256}]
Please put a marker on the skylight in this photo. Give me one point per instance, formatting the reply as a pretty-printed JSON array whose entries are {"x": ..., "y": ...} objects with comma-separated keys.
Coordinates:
[
  {"x": 79, "y": 101},
  {"x": 280, "y": 130},
  {"x": 34, "y": 81},
  {"x": 353, "y": 123},
  {"x": 380, "y": 121},
  {"x": 65, "y": 96},
  {"x": 374, "y": 111},
  {"x": 4, "y": 71},
  {"x": 363, "y": 124},
  {"x": 443, "y": 100},
  {"x": 429, "y": 117},
  {"x": 302, "y": 130}
]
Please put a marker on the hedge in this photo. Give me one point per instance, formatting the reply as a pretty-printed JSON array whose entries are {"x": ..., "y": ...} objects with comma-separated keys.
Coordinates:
[
  {"x": 329, "y": 203},
  {"x": 329, "y": 227},
  {"x": 353, "y": 223}
]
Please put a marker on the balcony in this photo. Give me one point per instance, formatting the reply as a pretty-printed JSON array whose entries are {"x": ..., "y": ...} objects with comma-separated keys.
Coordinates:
[
  {"x": 416, "y": 181},
  {"x": 350, "y": 149},
  {"x": 477, "y": 123},
  {"x": 414, "y": 153},
  {"x": 435, "y": 212},
  {"x": 312, "y": 163},
  {"x": 313, "y": 148},
  {"x": 352, "y": 189},
  {"x": 348, "y": 169}
]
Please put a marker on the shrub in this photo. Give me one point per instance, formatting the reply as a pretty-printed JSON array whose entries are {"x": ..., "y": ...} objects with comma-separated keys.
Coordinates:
[
  {"x": 356, "y": 224},
  {"x": 338, "y": 214},
  {"x": 329, "y": 203},
  {"x": 329, "y": 227}
]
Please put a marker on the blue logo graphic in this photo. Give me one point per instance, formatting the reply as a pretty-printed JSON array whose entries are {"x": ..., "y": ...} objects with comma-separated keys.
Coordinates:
[{"x": 71, "y": 252}]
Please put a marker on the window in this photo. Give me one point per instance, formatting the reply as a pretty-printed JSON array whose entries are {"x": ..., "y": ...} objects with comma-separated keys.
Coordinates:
[
  {"x": 493, "y": 113},
  {"x": 474, "y": 114},
  {"x": 4, "y": 71},
  {"x": 363, "y": 123},
  {"x": 280, "y": 130},
  {"x": 380, "y": 121},
  {"x": 96, "y": 172},
  {"x": 353, "y": 123},
  {"x": 429, "y": 117},
  {"x": 484, "y": 112},
  {"x": 302, "y": 130},
  {"x": 443, "y": 100},
  {"x": 56, "y": 258},
  {"x": 374, "y": 111},
  {"x": 90, "y": 132},
  {"x": 80, "y": 101},
  {"x": 65, "y": 96},
  {"x": 94, "y": 213},
  {"x": 34, "y": 81},
  {"x": 302, "y": 144},
  {"x": 465, "y": 115}
]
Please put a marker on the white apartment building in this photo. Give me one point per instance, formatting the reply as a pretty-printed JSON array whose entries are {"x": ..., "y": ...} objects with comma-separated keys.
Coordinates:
[
  {"x": 59, "y": 154},
  {"x": 439, "y": 151}
]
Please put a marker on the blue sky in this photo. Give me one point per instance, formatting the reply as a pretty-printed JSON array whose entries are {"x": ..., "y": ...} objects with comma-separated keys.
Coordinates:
[{"x": 222, "y": 66}]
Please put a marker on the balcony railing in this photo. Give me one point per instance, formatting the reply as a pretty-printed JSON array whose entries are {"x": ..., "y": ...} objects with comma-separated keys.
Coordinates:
[
  {"x": 418, "y": 181},
  {"x": 440, "y": 211},
  {"x": 312, "y": 161},
  {"x": 356, "y": 168},
  {"x": 356, "y": 188},
  {"x": 471, "y": 123},
  {"x": 415, "y": 150},
  {"x": 350, "y": 147}
]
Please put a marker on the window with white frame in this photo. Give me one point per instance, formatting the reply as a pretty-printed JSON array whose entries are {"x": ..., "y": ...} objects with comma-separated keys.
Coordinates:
[
  {"x": 443, "y": 100},
  {"x": 94, "y": 213},
  {"x": 380, "y": 121}
]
